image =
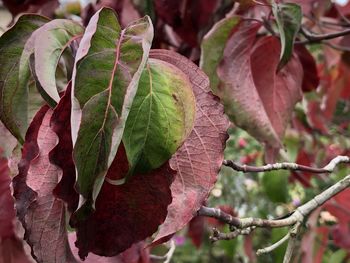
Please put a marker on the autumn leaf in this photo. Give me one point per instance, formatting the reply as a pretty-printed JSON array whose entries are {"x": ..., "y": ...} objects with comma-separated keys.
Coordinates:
[
  {"x": 161, "y": 116},
  {"x": 109, "y": 63},
  {"x": 125, "y": 214},
  {"x": 199, "y": 159},
  {"x": 50, "y": 41},
  {"x": 11, "y": 247},
  {"x": 256, "y": 98},
  {"x": 60, "y": 124},
  {"x": 212, "y": 48},
  {"x": 13, "y": 94},
  {"x": 42, "y": 215},
  {"x": 288, "y": 17}
]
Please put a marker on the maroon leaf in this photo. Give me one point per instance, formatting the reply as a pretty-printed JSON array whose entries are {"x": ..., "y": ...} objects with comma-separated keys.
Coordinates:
[
  {"x": 60, "y": 124},
  {"x": 311, "y": 78},
  {"x": 199, "y": 159},
  {"x": 11, "y": 248},
  {"x": 257, "y": 98},
  {"x": 303, "y": 177},
  {"x": 45, "y": 7},
  {"x": 43, "y": 215},
  {"x": 127, "y": 213},
  {"x": 137, "y": 253},
  {"x": 186, "y": 18},
  {"x": 196, "y": 230}
]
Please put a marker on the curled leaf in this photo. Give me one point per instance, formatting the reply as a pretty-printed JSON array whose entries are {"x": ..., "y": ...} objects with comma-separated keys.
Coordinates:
[
  {"x": 199, "y": 159},
  {"x": 13, "y": 94}
]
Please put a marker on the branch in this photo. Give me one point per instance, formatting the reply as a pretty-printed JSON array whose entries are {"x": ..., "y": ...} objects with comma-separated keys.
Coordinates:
[
  {"x": 314, "y": 38},
  {"x": 287, "y": 166},
  {"x": 297, "y": 216}
]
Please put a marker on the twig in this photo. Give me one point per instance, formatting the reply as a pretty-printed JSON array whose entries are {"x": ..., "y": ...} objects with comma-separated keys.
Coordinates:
[
  {"x": 167, "y": 257},
  {"x": 314, "y": 38},
  {"x": 292, "y": 243},
  {"x": 288, "y": 166},
  {"x": 217, "y": 235},
  {"x": 273, "y": 246}
]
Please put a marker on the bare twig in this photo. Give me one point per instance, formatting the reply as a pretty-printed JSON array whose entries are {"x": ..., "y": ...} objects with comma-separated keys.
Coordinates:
[
  {"x": 167, "y": 257},
  {"x": 315, "y": 38},
  {"x": 293, "y": 233},
  {"x": 273, "y": 246},
  {"x": 287, "y": 166}
]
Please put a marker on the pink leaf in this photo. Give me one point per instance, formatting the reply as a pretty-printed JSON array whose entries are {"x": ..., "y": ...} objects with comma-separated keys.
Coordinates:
[
  {"x": 199, "y": 159},
  {"x": 43, "y": 215},
  {"x": 257, "y": 98},
  {"x": 11, "y": 248}
]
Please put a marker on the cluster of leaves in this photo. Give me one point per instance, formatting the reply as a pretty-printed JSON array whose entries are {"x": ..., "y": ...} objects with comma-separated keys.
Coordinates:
[
  {"x": 129, "y": 140},
  {"x": 127, "y": 137}
]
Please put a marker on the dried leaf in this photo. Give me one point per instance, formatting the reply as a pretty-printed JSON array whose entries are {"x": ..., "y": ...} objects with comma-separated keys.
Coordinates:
[{"x": 199, "y": 159}]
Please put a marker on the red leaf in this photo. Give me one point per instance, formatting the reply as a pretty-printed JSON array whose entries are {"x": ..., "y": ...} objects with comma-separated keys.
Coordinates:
[
  {"x": 199, "y": 159},
  {"x": 7, "y": 211},
  {"x": 60, "y": 124},
  {"x": 341, "y": 235},
  {"x": 257, "y": 98},
  {"x": 303, "y": 177},
  {"x": 311, "y": 79},
  {"x": 43, "y": 215},
  {"x": 248, "y": 248},
  {"x": 278, "y": 92},
  {"x": 137, "y": 253},
  {"x": 196, "y": 230},
  {"x": 339, "y": 206},
  {"x": 186, "y": 18},
  {"x": 11, "y": 248},
  {"x": 323, "y": 232},
  {"x": 45, "y": 7},
  {"x": 127, "y": 213}
]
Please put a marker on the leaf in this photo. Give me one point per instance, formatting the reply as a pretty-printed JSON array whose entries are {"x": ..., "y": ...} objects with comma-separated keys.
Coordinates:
[
  {"x": 13, "y": 96},
  {"x": 43, "y": 215},
  {"x": 161, "y": 116},
  {"x": 248, "y": 69},
  {"x": 199, "y": 159},
  {"x": 196, "y": 229},
  {"x": 288, "y": 17},
  {"x": 33, "y": 6},
  {"x": 125, "y": 214},
  {"x": 109, "y": 63},
  {"x": 11, "y": 247},
  {"x": 137, "y": 253},
  {"x": 311, "y": 79},
  {"x": 212, "y": 48},
  {"x": 60, "y": 124},
  {"x": 50, "y": 42}
]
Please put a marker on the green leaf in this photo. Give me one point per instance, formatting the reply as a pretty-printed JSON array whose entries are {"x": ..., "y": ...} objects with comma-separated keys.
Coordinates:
[
  {"x": 275, "y": 184},
  {"x": 161, "y": 116},
  {"x": 288, "y": 17},
  {"x": 213, "y": 46},
  {"x": 50, "y": 42},
  {"x": 13, "y": 89},
  {"x": 109, "y": 64}
]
